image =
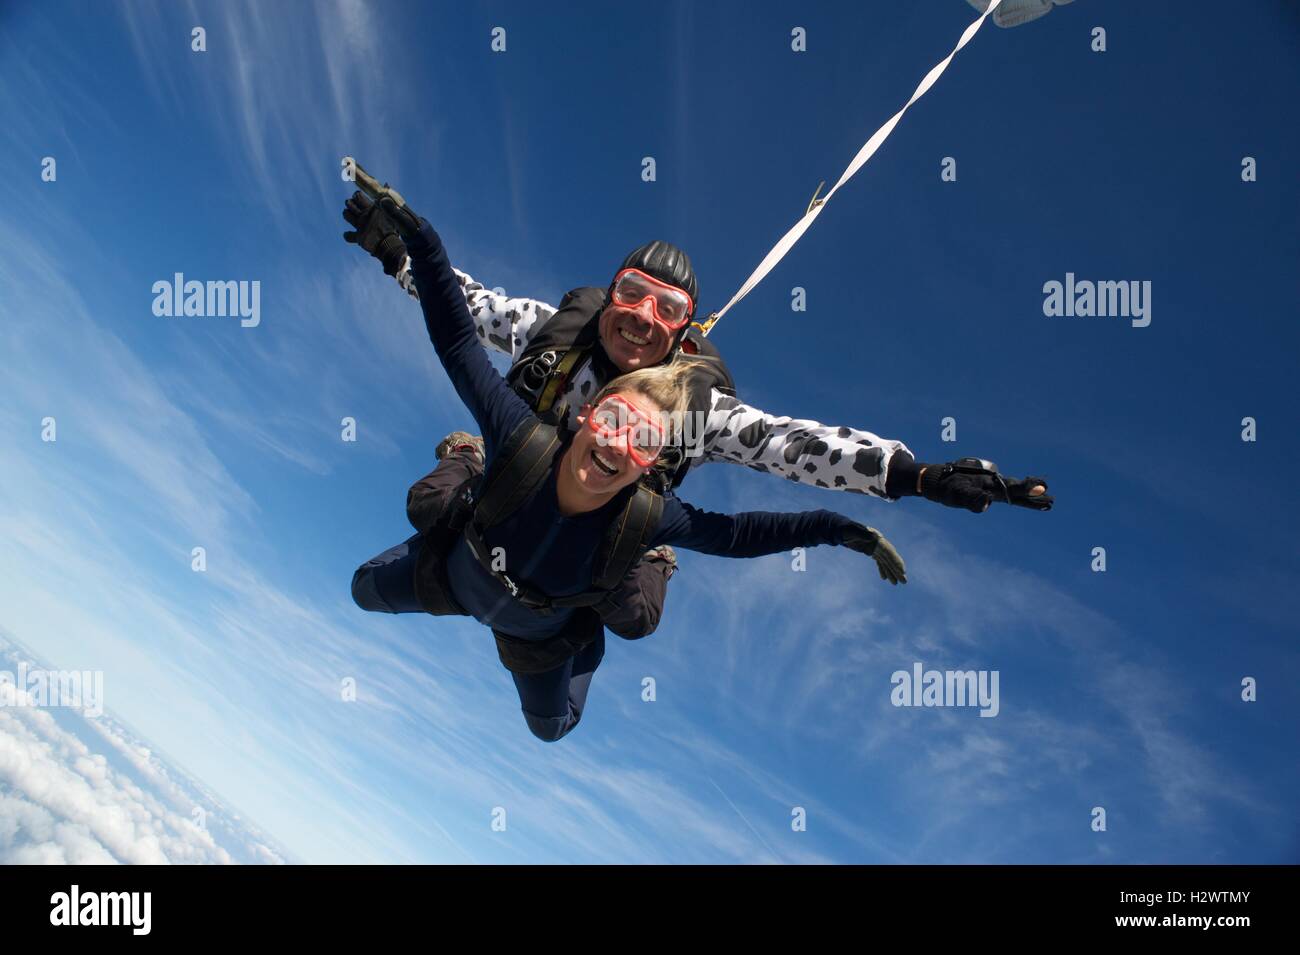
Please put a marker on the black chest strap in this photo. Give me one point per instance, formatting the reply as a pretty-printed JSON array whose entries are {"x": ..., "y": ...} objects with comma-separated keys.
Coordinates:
[
  {"x": 516, "y": 472},
  {"x": 628, "y": 538}
]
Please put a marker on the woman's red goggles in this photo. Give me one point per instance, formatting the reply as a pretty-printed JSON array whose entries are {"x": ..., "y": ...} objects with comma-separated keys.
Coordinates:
[{"x": 617, "y": 418}]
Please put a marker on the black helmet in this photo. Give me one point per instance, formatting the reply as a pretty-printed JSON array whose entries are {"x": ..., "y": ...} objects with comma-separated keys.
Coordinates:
[{"x": 667, "y": 263}]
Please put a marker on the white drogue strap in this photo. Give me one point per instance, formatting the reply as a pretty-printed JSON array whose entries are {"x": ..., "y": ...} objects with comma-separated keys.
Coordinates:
[{"x": 866, "y": 152}]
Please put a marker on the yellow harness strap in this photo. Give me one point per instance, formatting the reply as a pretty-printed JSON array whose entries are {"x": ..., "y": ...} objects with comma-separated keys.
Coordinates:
[{"x": 559, "y": 378}]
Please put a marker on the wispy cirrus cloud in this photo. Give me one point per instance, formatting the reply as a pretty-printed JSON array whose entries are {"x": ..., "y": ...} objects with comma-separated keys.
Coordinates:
[{"x": 815, "y": 650}]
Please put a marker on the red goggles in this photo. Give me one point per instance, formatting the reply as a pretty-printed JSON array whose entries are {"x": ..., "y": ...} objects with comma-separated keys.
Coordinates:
[
  {"x": 617, "y": 421},
  {"x": 672, "y": 306}
]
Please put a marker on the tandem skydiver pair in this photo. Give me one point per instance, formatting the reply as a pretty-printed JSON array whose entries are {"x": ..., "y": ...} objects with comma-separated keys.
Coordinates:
[{"x": 559, "y": 522}]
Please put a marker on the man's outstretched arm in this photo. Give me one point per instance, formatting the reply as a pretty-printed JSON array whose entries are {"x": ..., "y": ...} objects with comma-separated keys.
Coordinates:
[
  {"x": 503, "y": 323},
  {"x": 845, "y": 459},
  {"x": 848, "y": 459}
]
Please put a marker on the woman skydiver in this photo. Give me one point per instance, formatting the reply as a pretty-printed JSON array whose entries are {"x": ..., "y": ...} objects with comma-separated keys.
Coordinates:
[{"x": 535, "y": 548}]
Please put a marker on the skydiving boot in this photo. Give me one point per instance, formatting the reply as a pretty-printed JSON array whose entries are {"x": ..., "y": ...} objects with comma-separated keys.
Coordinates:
[
  {"x": 460, "y": 441},
  {"x": 665, "y": 554}
]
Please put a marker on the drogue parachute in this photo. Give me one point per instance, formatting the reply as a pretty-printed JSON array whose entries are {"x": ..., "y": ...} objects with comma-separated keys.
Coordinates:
[{"x": 1012, "y": 13}]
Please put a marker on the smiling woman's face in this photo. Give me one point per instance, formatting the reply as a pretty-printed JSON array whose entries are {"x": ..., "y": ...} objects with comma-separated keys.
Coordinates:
[
  {"x": 603, "y": 467},
  {"x": 632, "y": 338}
]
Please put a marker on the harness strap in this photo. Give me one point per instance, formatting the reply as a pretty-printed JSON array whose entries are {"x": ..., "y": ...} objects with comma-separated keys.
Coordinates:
[
  {"x": 628, "y": 538},
  {"x": 522, "y": 465},
  {"x": 561, "y": 372}
]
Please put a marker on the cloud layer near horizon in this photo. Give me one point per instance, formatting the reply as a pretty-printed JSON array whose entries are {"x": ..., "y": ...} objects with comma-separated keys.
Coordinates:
[{"x": 80, "y": 790}]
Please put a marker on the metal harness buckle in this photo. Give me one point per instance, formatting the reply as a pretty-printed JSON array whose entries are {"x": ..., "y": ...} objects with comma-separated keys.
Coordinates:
[{"x": 537, "y": 371}]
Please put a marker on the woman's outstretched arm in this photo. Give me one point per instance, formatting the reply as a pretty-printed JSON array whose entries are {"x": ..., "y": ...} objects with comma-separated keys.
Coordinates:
[
  {"x": 756, "y": 533},
  {"x": 495, "y": 407},
  {"x": 748, "y": 534}
]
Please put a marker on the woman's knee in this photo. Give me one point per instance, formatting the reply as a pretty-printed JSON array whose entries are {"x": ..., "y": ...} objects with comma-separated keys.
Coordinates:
[
  {"x": 364, "y": 591},
  {"x": 549, "y": 729}
]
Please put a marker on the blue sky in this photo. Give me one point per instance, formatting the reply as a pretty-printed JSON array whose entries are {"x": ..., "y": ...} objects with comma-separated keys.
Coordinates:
[{"x": 1119, "y": 690}]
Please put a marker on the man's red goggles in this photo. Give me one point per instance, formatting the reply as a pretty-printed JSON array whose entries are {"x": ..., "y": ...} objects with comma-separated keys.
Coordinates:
[{"x": 672, "y": 306}]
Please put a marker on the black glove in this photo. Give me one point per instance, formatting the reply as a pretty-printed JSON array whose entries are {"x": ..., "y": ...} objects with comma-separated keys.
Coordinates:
[
  {"x": 407, "y": 222},
  {"x": 1018, "y": 494},
  {"x": 975, "y": 484},
  {"x": 869, "y": 541},
  {"x": 389, "y": 200},
  {"x": 375, "y": 232}
]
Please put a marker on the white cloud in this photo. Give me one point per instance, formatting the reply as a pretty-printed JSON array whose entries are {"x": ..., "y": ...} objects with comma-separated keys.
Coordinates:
[{"x": 82, "y": 790}]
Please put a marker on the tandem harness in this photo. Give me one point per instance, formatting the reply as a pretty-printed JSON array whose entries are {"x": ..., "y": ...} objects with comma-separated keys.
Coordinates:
[{"x": 519, "y": 469}]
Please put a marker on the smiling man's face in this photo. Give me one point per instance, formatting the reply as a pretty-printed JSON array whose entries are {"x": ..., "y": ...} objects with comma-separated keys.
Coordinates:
[{"x": 633, "y": 338}]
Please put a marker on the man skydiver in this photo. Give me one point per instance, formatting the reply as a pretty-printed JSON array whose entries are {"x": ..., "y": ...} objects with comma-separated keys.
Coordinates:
[{"x": 561, "y": 357}]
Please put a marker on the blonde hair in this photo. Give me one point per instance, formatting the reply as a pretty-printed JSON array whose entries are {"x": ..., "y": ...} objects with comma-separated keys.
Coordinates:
[{"x": 667, "y": 385}]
